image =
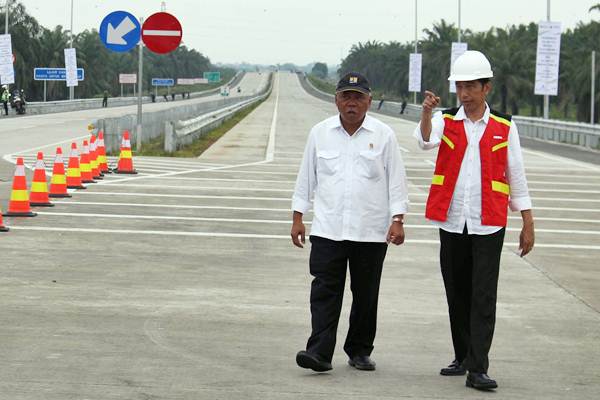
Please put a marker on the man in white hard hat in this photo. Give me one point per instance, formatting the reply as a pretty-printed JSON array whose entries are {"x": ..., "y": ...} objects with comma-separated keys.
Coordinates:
[{"x": 478, "y": 174}]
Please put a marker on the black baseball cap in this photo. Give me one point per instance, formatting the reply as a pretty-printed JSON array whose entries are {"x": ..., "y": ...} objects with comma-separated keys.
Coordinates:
[{"x": 355, "y": 82}]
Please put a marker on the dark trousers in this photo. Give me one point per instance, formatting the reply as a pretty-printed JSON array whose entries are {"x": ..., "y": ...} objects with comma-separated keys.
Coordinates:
[
  {"x": 470, "y": 267},
  {"x": 328, "y": 263},
  {"x": 5, "y": 104}
]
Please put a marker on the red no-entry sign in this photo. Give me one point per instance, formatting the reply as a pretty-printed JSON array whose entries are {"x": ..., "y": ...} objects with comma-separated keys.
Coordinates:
[{"x": 161, "y": 33}]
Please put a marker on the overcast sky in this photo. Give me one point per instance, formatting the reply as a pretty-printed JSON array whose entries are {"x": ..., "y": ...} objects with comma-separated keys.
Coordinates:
[{"x": 279, "y": 31}]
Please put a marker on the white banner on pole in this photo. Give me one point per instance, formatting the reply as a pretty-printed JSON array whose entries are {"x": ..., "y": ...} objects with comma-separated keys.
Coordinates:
[
  {"x": 200, "y": 80},
  {"x": 71, "y": 67},
  {"x": 127, "y": 78},
  {"x": 547, "y": 58},
  {"x": 457, "y": 50},
  {"x": 414, "y": 72},
  {"x": 7, "y": 72}
]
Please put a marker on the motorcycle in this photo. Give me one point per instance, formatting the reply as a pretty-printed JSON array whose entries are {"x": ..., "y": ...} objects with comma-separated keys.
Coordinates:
[{"x": 18, "y": 103}]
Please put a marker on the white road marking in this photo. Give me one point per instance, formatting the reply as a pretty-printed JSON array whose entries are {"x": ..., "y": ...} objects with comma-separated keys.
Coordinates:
[
  {"x": 404, "y": 149},
  {"x": 178, "y": 206},
  {"x": 271, "y": 144},
  {"x": 186, "y": 187},
  {"x": 184, "y": 196},
  {"x": 256, "y": 236},
  {"x": 561, "y": 160},
  {"x": 284, "y": 222}
]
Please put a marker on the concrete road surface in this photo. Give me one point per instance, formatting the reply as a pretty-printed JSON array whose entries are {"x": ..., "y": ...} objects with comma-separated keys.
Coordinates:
[{"x": 181, "y": 282}]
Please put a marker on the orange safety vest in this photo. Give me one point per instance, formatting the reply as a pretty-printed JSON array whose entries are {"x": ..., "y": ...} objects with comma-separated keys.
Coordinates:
[{"x": 493, "y": 148}]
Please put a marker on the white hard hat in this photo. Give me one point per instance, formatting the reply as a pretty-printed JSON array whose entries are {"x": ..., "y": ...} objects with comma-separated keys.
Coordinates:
[{"x": 470, "y": 66}]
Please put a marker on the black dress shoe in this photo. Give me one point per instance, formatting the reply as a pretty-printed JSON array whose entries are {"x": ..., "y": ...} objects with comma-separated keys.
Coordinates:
[
  {"x": 305, "y": 359},
  {"x": 454, "y": 369},
  {"x": 480, "y": 381},
  {"x": 363, "y": 363}
]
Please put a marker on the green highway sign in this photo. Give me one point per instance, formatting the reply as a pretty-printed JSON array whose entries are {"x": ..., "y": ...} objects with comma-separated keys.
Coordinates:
[{"x": 212, "y": 76}]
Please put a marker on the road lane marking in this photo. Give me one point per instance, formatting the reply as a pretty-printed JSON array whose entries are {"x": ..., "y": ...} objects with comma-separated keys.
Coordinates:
[
  {"x": 182, "y": 187},
  {"x": 273, "y": 221},
  {"x": 185, "y": 196},
  {"x": 175, "y": 206},
  {"x": 271, "y": 144},
  {"x": 256, "y": 236}
]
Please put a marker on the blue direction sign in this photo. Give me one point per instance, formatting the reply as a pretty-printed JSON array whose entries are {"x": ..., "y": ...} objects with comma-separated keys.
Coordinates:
[
  {"x": 120, "y": 31},
  {"x": 163, "y": 82},
  {"x": 55, "y": 74}
]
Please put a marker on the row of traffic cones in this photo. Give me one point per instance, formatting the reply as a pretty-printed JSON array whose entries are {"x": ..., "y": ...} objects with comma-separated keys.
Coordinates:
[{"x": 87, "y": 168}]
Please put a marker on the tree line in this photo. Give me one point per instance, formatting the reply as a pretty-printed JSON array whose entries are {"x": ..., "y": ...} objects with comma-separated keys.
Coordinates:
[
  {"x": 36, "y": 46},
  {"x": 512, "y": 53}
]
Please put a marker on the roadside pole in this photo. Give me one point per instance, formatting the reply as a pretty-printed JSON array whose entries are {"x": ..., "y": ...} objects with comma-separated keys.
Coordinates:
[
  {"x": 593, "y": 91},
  {"x": 140, "y": 88}
]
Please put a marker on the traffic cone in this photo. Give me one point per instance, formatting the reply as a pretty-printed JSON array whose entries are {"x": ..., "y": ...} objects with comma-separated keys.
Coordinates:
[
  {"x": 39, "y": 186},
  {"x": 96, "y": 174},
  {"x": 102, "y": 164},
  {"x": 58, "y": 182},
  {"x": 2, "y": 227},
  {"x": 19, "y": 206},
  {"x": 73, "y": 172},
  {"x": 125, "y": 165},
  {"x": 84, "y": 164}
]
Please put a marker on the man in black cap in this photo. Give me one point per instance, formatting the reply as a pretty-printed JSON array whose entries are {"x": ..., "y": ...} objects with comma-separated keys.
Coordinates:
[{"x": 353, "y": 177}]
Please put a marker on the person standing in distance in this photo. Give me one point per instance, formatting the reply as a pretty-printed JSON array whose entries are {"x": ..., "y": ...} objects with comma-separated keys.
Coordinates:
[
  {"x": 353, "y": 168},
  {"x": 478, "y": 174}
]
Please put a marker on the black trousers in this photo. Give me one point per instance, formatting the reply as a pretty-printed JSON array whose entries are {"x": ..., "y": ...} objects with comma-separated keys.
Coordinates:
[
  {"x": 328, "y": 263},
  {"x": 470, "y": 266}
]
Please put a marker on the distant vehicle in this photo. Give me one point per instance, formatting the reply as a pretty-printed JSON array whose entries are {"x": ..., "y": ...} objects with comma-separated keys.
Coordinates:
[
  {"x": 239, "y": 89},
  {"x": 18, "y": 102}
]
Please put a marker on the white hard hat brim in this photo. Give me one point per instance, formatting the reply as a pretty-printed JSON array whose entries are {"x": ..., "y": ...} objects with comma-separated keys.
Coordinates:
[{"x": 470, "y": 77}]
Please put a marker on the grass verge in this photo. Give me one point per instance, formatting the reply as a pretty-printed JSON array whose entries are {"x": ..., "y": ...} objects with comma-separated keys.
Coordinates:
[
  {"x": 323, "y": 86},
  {"x": 155, "y": 147}
]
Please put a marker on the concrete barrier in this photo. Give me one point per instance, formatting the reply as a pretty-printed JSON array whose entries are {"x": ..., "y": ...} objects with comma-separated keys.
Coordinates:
[
  {"x": 181, "y": 133},
  {"x": 153, "y": 123},
  {"x": 575, "y": 133}
]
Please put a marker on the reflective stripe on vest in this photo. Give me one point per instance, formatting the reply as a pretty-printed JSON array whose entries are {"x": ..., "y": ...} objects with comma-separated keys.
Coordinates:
[{"x": 495, "y": 190}]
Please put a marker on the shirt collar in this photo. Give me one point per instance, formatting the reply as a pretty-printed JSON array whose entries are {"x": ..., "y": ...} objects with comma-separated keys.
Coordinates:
[
  {"x": 368, "y": 124},
  {"x": 460, "y": 115}
]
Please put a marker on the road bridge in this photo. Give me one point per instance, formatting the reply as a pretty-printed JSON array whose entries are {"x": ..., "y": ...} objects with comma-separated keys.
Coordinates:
[{"x": 182, "y": 283}]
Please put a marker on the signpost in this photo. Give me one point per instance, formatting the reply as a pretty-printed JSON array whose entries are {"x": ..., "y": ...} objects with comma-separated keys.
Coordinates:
[
  {"x": 120, "y": 31},
  {"x": 161, "y": 33},
  {"x": 127, "y": 78},
  {"x": 414, "y": 73},
  {"x": 7, "y": 72},
  {"x": 547, "y": 60},
  {"x": 54, "y": 74},
  {"x": 214, "y": 76}
]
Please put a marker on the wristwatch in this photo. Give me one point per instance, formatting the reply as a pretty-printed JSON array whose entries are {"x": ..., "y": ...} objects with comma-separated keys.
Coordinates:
[{"x": 398, "y": 219}]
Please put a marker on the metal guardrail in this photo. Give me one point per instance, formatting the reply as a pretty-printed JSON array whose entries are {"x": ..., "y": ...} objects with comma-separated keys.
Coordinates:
[
  {"x": 153, "y": 123},
  {"x": 49, "y": 107},
  {"x": 180, "y": 133},
  {"x": 575, "y": 133}
]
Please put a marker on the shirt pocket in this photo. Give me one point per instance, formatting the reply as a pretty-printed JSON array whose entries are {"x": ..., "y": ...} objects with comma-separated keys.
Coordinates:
[
  {"x": 370, "y": 165},
  {"x": 328, "y": 162}
]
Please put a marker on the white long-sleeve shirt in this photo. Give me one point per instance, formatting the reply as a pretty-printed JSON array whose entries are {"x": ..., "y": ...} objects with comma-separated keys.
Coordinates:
[
  {"x": 356, "y": 182},
  {"x": 465, "y": 207}
]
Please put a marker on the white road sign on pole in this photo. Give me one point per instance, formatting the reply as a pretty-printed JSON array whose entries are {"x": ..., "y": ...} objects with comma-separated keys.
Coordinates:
[
  {"x": 71, "y": 67},
  {"x": 7, "y": 72},
  {"x": 457, "y": 50},
  {"x": 127, "y": 78},
  {"x": 547, "y": 58},
  {"x": 414, "y": 72}
]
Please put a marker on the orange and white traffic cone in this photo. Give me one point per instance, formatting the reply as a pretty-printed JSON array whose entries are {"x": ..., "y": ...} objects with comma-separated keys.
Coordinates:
[
  {"x": 96, "y": 174},
  {"x": 102, "y": 164},
  {"x": 84, "y": 164},
  {"x": 58, "y": 182},
  {"x": 125, "y": 165},
  {"x": 73, "y": 172},
  {"x": 19, "y": 206},
  {"x": 39, "y": 186},
  {"x": 2, "y": 227}
]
